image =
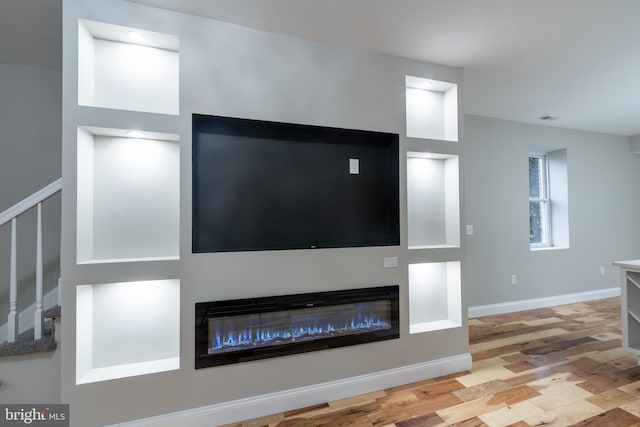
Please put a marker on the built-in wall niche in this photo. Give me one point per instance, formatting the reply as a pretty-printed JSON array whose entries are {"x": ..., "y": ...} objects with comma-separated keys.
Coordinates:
[
  {"x": 127, "y": 329},
  {"x": 433, "y": 200},
  {"x": 432, "y": 109},
  {"x": 127, "y": 196},
  {"x": 128, "y": 69},
  {"x": 434, "y": 296}
]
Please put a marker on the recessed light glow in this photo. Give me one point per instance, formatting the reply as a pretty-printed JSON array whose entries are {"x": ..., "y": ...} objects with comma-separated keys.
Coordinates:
[
  {"x": 135, "y": 36},
  {"x": 135, "y": 134},
  {"x": 425, "y": 84},
  {"x": 420, "y": 155}
]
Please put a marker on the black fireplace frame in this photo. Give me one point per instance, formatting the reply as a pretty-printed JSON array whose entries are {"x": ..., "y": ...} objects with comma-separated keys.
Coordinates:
[{"x": 206, "y": 310}]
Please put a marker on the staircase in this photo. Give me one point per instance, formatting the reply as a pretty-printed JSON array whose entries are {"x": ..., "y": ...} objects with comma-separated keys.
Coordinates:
[{"x": 33, "y": 329}]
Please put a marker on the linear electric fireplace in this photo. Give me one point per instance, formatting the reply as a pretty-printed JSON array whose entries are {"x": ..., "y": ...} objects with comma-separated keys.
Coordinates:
[{"x": 248, "y": 329}]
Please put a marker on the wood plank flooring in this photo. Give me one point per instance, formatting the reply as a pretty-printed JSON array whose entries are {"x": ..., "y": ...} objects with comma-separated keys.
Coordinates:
[{"x": 560, "y": 366}]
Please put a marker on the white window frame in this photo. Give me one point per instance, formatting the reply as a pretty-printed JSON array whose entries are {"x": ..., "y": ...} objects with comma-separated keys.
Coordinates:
[{"x": 546, "y": 220}]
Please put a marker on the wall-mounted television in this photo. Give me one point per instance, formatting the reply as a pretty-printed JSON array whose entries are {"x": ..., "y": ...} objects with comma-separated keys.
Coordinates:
[{"x": 260, "y": 185}]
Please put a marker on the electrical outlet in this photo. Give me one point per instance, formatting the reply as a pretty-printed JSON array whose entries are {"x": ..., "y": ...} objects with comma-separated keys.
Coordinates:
[
  {"x": 514, "y": 279},
  {"x": 602, "y": 269},
  {"x": 390, "y": 262}
]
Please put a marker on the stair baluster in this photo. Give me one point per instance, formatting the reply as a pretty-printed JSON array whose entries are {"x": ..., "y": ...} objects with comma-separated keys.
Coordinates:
[
  {"x": 38, "y": 320},
  {"x": 12, "y": 321}
]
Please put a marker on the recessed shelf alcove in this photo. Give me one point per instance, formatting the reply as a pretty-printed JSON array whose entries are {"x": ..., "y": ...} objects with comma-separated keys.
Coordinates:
[
  {"x": 127, "y": 195},
  {"x": 434, "y": 296},
  {"x": 127, "y": 329},
  {"x": 116, "y": 70},
  {"x": 433, "y": 200},
  {"x": 432, "y": 109}
]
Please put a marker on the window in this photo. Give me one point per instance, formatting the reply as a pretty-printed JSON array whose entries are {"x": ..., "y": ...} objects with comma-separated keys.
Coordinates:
[
  {"x": 548, "y": 198},
  {"x": 539, "y": 202}
]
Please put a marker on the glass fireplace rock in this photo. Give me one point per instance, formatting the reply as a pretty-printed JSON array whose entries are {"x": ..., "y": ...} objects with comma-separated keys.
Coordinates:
[{"x": 248, "y": 329}]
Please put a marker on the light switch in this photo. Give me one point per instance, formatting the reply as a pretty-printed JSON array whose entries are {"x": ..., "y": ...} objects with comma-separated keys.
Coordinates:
[
  {"x": 469, "y": 230},
  {"x": 354, "y": 166}
]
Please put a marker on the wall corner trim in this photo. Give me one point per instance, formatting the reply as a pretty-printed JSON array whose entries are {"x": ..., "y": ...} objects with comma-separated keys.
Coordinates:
[
  {"x": 272, "y": 403},
  {"x": 530, "y": 304}
]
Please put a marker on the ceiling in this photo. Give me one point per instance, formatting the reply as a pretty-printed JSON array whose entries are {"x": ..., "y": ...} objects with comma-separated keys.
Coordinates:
[{"x": 576, "y": 60}]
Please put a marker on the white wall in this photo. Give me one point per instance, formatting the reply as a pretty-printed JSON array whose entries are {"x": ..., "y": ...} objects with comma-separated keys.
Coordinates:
[
  {"x": 603, "y": 211},
  {"x": 426, "y": 189},
  {"x": 129, "y": 195}
]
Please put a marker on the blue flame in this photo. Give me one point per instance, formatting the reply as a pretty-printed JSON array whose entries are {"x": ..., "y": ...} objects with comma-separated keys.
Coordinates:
[{"x": 227, "y": 338}]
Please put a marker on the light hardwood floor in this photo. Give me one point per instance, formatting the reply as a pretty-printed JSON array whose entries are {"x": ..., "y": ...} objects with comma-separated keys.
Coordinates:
[{"x": 559, "y": 366}]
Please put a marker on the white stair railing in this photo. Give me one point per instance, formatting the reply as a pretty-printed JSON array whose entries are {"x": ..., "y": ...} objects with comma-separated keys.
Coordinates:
[{"x": 12, "y": 214}]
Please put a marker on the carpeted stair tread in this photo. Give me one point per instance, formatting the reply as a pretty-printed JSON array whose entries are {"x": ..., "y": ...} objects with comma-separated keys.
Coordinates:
[
  {"x": 26, "y": 345},
  {"x": 53, "y": 312}
]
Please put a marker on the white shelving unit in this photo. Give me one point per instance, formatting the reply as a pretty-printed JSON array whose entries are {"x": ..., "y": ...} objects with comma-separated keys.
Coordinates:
[
  {"x": 127, "y": 68},
  {"x": 630, "y": 305},
  {"x": 128, "y": 195},
  {"x": 127, "y": 203},
  {"x": 432, "y": 109},
  {"x": 434, "y": 296},
  {"x": 433, "y": 200},
  {"x": 127, "y": 329},
  {"x": 433, "y": 205}
]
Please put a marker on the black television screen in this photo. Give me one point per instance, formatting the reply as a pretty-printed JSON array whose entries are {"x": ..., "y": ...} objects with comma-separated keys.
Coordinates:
[{"x": 261, "y": 185}]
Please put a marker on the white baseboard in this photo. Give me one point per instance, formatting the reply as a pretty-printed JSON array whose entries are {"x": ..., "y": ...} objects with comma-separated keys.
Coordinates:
[
  {"x": 258, "y": 406},
  {"x": 530, "y": 304},
  {"x": 25, "y": 318}
]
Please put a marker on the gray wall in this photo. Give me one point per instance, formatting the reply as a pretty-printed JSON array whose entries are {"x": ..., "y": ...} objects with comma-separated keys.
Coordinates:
[
  {"x": 33, "y": 378},
  {"x": 603, "y": 211},
  {"x": 30, "y": 124},
  {"x": 30, "y": 140}
]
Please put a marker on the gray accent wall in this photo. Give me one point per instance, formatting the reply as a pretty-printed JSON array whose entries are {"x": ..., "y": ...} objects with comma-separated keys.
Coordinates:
[
  {"x": 30, "y": 140},
  {"x": 31, "y": 127},
  {"x": 32, "y": 378},
  {"x": 603, "y": 203}
]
